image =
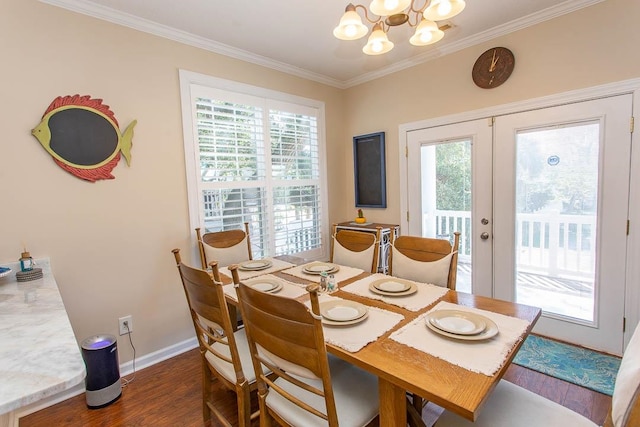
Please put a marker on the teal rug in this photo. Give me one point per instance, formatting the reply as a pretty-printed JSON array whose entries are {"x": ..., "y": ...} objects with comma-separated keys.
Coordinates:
[{"x": 576, "y": 365}]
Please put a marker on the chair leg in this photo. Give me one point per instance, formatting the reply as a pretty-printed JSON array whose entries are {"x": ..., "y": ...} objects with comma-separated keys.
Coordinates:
[
  {"x": 414, "y": 416},
  {"x": 418, "y": 403},
  {"x": 244, "y": 405},
  {"x": 206, "y": 391}
]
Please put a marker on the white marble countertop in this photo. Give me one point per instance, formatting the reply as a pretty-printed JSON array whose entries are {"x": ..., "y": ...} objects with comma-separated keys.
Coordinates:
[{"x": 39, "y": 354}]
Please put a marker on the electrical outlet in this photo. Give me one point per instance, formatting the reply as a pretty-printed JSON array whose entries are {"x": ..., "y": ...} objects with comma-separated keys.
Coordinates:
[{"x": 125, "y": 329}]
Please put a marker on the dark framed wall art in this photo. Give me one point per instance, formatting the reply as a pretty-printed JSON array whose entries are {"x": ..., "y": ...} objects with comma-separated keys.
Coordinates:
[{"x": 369, "y": 170}]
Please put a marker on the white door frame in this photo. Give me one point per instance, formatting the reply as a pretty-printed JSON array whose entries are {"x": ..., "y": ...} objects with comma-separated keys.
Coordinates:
[{"x": 632, "y": 293}]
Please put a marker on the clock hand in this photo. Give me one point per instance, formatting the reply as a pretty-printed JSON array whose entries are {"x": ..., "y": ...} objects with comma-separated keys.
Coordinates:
[{"x": 494, "y": 62}]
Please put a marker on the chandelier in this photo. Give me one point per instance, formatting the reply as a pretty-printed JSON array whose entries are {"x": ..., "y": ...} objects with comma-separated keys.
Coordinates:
[{"x": 391, "y": 13}]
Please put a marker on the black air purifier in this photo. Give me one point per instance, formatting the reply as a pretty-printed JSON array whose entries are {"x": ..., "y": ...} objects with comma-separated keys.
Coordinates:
[{"x": 102, "y": 383}]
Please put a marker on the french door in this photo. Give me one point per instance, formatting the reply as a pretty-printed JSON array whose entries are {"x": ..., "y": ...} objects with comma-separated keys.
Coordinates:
[
  {"x": 449, "y": 189},
  {"x": 544, "y": 222}
]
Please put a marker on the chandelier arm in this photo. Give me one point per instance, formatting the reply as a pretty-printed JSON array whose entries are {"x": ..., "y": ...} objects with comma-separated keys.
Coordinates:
[
  {"x": 366, "y": 14},
  {"x": 420, "y": 9},
  {"x": 417, "y": 13}
]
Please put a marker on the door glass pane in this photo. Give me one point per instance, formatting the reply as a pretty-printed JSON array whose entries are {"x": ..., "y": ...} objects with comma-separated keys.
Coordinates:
[
  {"x": 556, "y": 217},
  {"x": 446, "y": 199}
]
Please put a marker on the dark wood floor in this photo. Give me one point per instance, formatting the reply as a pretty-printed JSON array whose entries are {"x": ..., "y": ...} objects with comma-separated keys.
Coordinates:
[{"x": 169, "y": 394}]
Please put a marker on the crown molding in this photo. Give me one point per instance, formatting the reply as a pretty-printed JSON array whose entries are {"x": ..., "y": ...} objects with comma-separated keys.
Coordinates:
[{"x": 127, "y": 20}]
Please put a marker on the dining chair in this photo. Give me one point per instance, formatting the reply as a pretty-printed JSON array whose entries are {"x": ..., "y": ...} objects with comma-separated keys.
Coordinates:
[
  {"x": 509, "y": 402},
  {"x": 226, "y": 247},
  {"x": 311, "y": 388},
  {"x": 425, "y": 259},
  {"x": 355, "y": 248},
  {"x": 224, "y": 350}
]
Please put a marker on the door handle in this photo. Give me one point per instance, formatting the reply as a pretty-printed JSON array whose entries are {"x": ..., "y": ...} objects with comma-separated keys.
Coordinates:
[{"x": 484, "y": 236}]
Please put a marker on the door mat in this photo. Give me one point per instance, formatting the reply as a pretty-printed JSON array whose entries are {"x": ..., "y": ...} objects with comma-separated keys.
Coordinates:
[{"x": 577, "y": 365}]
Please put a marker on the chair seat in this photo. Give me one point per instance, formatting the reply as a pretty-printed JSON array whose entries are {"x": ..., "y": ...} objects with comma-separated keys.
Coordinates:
[
  {"x": 355, "y": 391},
  {"x": 511, "y": 405},
  {"x": 226, "y": 369}
]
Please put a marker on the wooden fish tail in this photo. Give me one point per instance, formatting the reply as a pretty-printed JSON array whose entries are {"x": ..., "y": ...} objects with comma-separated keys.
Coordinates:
[{"x": 127, "y": 142}]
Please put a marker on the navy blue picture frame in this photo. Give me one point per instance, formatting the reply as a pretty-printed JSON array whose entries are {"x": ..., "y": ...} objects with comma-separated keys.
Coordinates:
[{"x": 369, "y": 170}]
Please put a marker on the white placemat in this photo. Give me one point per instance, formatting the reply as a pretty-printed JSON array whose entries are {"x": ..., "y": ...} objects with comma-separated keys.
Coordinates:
[
  {"x": 345, "y": 273},
  {"x": 354, "y": 337},
  {"x": 485, "y": 357},
  {"x": 246, "y": 274},
  {"x": 427, "y": 294},
  {"x": 289, "y": 289}
]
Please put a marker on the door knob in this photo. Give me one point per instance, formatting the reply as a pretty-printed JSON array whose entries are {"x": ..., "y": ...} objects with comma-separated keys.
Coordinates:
[
  {"x": 484, "y": 236},
  {"x": 484, "y": 221}
]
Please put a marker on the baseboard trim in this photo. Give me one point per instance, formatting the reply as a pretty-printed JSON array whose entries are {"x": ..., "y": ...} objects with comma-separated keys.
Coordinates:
[{"x": 125, "y": 369}]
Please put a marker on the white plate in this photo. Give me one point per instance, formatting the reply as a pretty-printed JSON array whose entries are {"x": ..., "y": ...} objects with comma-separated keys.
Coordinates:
[
  {"x": 319, "y": 267},
  {"x": 350, "y": 322},
  {"x": 253, "y": 265},
  {"x": 342, "y": 310},
  {"x": 390, "y": 286},
  {"x": 458, "y": 322},
  {"x": 490, "y": 331},
  {"x": 393, "y": 285},
  {"x": 265, "y": 284}
]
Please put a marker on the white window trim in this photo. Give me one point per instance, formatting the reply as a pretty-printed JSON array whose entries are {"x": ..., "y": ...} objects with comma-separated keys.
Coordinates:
[{"x": 190, "y": 78}]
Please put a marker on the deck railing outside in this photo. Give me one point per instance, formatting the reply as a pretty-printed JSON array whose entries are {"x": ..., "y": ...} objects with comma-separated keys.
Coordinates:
[{"x": 551, "y": 244}]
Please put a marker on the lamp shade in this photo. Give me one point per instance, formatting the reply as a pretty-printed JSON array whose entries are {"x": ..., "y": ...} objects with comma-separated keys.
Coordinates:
[
  {"x": 443, "y": 9},
  {"x": 378, "y": 42},
  {"x": 426, "y": 33},
  {"x": 388, "y": 7},
  {"x": 350, "y": 27}
]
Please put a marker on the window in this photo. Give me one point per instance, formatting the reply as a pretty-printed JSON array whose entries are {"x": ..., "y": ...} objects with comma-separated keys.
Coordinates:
[{"x": 255, "y": 155}]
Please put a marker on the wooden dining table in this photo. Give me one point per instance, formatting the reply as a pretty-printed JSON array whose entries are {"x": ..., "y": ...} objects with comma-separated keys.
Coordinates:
[{"x": 401, "y": 368}]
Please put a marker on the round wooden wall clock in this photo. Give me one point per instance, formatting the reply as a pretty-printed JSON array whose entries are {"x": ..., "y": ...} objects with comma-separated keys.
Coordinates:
[{"x": 493, "y": 67}]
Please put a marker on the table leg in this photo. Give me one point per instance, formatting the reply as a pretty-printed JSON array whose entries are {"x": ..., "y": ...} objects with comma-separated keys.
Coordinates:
[{"x": 393, "y": 410}]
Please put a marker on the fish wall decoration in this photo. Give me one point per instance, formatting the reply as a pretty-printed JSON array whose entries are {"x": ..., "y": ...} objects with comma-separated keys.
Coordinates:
[{"x": 83, "y": 137}]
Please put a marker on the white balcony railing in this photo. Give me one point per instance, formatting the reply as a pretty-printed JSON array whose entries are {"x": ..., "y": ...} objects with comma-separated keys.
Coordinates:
[{"x": 555, "y": 245}]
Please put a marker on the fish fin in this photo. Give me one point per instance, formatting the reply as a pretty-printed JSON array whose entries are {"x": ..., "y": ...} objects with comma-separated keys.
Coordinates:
[
  {"x": 84, "y": 101},
  {"x": 92, "y": 175},
  {"x": 127, "y": 142}
]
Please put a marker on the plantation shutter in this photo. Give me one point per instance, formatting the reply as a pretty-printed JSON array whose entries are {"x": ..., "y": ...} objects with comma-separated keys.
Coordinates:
[{"x": 259, "y": 162}]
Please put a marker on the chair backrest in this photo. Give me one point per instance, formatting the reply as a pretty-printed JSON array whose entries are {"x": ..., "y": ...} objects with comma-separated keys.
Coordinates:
[
  {"x": 357, "y": 249},
  {"x": 210, "y": 315},
  {"x": 286, "y": 336},
  {"x": 625, "y": 402},
  {"x": 226, "y": 247},
  {"x": 425, "y": 259}
]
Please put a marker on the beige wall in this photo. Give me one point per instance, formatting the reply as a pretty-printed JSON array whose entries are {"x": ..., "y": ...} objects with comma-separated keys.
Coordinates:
[
  {"x": 110, "y": 242},
  {"x": 592, "y": 46}
]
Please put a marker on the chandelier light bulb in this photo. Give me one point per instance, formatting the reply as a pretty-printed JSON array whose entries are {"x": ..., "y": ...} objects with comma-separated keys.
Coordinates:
[
  {"x": 390, "y": 4},
  {"x": 351, "y": 26},
  {"x": 439, "y": 10},
  {"x": 426, "y": 33},
  {"x": 388, "y": 7},
  {"x": 378, "y": 42},
  {"x": 444, "y": 8}
]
